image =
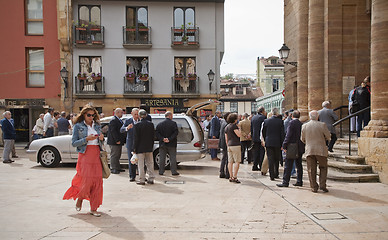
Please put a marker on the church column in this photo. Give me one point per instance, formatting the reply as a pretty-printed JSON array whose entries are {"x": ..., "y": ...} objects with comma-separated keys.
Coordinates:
[
  {"x": 302, "y": 74},
  {"x": 315, "y": 55}
]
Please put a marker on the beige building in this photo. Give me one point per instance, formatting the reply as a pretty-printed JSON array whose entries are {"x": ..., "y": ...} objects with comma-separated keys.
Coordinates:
[
  {"x": 336, "y": 44},
  {"x": 270, "y": 74}
]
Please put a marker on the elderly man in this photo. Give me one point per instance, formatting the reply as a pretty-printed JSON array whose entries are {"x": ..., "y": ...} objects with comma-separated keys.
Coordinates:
[
  {"x": 116, "y": 140},
  {"x": 215, "y": 126},
  {"x": 9, "y": 136},
  {"x": 314, "y": 135},
  {"x": 245, "y": 139},
  {"x": 63, "y": 125},
  {"x": 167, "y": 133},
  {"x": 329, "y": 117},
  {"x": 128, "y": 127},
  {"x": 273, "y": 133},
  {"x": 258, "y": 149},
  {"x": 48, "y": 128},
  {"x": 143, "y": 143}
]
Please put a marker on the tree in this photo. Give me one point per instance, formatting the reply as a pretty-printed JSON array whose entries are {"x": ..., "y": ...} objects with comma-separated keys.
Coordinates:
[{"x": 228, "y": 76}]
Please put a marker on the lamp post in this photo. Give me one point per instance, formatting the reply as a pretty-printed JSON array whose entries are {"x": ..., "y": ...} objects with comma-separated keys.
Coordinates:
[
  {"x": 64, "y": 75},
  {"x": 284, "y": 51},
  {"x": 211, "y": 75}
]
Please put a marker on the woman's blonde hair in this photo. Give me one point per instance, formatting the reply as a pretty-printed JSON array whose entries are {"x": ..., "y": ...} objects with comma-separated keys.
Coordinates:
[{"x": 85, "y": 109}]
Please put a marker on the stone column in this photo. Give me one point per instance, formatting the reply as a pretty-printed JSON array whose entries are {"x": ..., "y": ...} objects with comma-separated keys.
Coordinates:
[
  {"x": 316, "y": 55},
  {"x": 373, "y": 143},
  {"x": 302, "y": 73}
]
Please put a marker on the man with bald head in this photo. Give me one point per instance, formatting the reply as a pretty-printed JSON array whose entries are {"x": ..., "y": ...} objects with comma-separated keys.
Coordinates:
[
  {"x": 314, "y": 135},
  {"x": 116, "y": 140}
]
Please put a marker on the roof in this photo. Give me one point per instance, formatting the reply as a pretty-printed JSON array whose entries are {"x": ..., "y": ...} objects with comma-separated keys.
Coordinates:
[{"x": 251, "y": 95}]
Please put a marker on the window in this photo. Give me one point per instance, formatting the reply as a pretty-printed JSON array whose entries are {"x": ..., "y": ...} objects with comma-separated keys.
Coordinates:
[
  {"x": 137, "y": 17},
  {"x": 253, "y": 107},
  {"x": 275, "y": 85},
  {"x": 274, "y": 61},
  {"x": 233, "y": 107},
  {"x": 35, "y": 68},
  {"x": 89, "y": 65},
  {"x": 89, "y": 15},
  {"x": 138, "y": 66},
  {"x": 185, "y": 66},
  {"x": 220, "y": 107},
  {"x": 184, "y": 17},
  {"x": 185, "y": 134},
  {"x": 239, "y": 89},
  {"x": 34, "y": 17}
]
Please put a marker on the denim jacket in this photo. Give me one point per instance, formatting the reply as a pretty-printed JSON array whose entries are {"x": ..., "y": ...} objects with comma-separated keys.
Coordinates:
[{"x": 80, "y": 132}]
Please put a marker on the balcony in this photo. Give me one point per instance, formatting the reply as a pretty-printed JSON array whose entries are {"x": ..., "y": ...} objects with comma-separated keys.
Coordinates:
[
  {"x": 90, "y": 87},
  {"x": 137, "y": 37},
  {"x": 185, "y": 86},
  {"x": 185, "y": 37},
  {"x": 137, "y": 87},
  {"x": 89, "y": 36}
]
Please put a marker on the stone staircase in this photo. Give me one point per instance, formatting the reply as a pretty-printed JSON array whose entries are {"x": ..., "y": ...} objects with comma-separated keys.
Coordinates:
[{"x": 343, "y": 167}]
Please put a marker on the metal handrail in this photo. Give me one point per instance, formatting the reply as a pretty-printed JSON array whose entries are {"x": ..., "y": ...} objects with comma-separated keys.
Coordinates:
[
  {"x": 347, "y": 118},
  {"x": 340, "y": 108}
]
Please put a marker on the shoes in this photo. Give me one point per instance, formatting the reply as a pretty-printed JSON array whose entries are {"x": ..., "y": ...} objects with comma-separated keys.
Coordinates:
[
  {"x": 140, "y": 183},
  {"x": 236, "y": 180},
  {"x": 262, "y": 173},
  {"x": 255, "y": 169},
  {"x": 324, "y": 189},
  {"x": 222, "y": 175},
  {"x": 121, "y": 170},
  {"x": 132, "y": 180},
  {"x": 298, "y": 184},
  {"x": 161, "y": 174},
  {"x": 15, "y": 156},
  {"x": 281, "y": 185},
  {"x": 175, "y": 174},
  {"x": 216, "y": 159},
  {"x": 115, "y": 171},
  {"x": 314, "y": 190},
  {"x": 277, "y": 177},
  {"x": 272, "y": 179},
  {"x": 227, "y": 176},
  {"x": 8, "y": 161},
  {"x": 330, "y": 150},
  {"x": 94, "y": 213},
  {"x": 150, "y": 181}
]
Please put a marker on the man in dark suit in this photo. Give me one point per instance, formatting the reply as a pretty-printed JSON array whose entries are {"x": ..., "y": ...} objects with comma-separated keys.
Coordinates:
[
  {"x": 128, "y": 127},
  {"x": 273, "y": 133},
  {"x": 143, "y": 144},
  {"x": 9, "y": 136},
  {"x": 167, "y": 133},
  {"x": 293, "y": 136},
  {"x": 215, "y": 127},
  {"x": 329, "y": 117},
  {"x": 116, "y": 140},
  {"x": 258, "y": 149}
]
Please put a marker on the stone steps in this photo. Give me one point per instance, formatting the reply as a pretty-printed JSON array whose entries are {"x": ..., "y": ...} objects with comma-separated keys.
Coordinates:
[
  {"x": 349, "y": 167},
  {"x": 355, "y": 177}
]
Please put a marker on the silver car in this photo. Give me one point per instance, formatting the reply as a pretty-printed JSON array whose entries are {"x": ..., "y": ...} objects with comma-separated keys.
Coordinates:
[{"x": 49, "y": 152}]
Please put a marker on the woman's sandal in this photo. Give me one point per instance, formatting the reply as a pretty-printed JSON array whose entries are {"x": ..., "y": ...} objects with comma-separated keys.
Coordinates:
[
  {"x": 95, "y": 213},
  {"x": 236, "y": 180},
  {"x": 231, "y": 179},
  {"x": 76, "y": 206}
]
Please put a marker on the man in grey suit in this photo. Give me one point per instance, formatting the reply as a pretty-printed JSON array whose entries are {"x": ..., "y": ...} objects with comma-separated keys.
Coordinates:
[
  {"x": 329, "y": 117},
  {"x": 314, "y": 135}
]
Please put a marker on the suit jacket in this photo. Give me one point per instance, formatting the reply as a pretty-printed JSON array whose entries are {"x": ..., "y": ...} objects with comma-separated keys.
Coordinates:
[
  {"x": 222, "y": 142},
  {"x": 314, "y": 135},
  {"x": 9, "y": 131},
  {"x": 143, "y": 137},
  {"x": 245, "y": 126},
  {"x": 167, "y": 129},
  {"x": 329, "y": 117},
  {"x": 256, "y": 122},
  {"x": 273, "y": 132},
  {"x": 114, "y": 133},
  {"x": 130, "y": 133},
  {"x": 215, "y": 126},
  {"x": 293, "y": 135}
]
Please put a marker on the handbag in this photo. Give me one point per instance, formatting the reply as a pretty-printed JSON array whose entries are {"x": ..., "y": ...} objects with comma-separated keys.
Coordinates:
[
  {"x": 355, "y": 107},
  {"x": 104, "y": 161},
  {"x": 212, "y": 143},
  {"x": 292, "y": 151}
]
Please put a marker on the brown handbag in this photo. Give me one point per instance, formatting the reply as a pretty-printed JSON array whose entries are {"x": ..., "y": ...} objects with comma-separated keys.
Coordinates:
[{"x": 213, "y": 143}]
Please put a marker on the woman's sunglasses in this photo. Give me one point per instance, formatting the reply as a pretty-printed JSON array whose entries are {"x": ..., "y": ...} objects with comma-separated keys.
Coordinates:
[{"x": 90, "y": 115}]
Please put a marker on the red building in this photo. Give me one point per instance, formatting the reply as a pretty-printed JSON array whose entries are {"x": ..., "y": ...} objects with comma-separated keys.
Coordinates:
[{"x": 30, "y": 61}]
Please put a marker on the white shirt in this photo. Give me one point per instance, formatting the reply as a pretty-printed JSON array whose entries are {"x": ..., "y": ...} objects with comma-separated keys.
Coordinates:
[
  {"x": 48, "y": 122},
  {"x": 92, "y": 131}
]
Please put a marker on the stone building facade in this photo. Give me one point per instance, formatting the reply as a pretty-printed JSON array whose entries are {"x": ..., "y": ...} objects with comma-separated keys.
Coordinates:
[
  {"x": 336, "y": 44},
  {"x": 270, "y": 74}
]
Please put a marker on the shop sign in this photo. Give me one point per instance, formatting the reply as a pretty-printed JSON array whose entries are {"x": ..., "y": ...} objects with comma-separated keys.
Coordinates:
[
  {"x": 162, "y": 102},
  {"x": 23, "y": 102}
]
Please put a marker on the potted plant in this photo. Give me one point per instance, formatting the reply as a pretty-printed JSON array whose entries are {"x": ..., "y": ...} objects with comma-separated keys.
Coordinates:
[
  {"x": 184, "y": 38},
  {"x": 130, "y": 77},
  {"x": 96, "y": 76},
  {"x": 94, "y": 27},
  {"x": 97, "y": 42},
  {"x": 81, "y": 76},
  {"x": 178, "y": 77},
  {"x": 192, "y": 76},
  {"x": 130, "y": 29},
  {"x": 190, "y": 29},
  {"x": 144, "y": 77},
  {"x": 82, "y": 27},
  {"x": 143, "y": 29}
]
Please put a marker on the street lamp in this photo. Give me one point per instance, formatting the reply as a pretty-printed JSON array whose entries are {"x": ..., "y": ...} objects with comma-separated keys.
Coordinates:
[
  {"x": 284, "y": 51},
  {"x": 64, "y": 76},
  {"x": 211, "y": 75}
]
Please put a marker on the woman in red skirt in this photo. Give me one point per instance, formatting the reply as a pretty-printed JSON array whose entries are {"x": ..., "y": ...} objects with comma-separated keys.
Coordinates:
[{"x": 87, "y": 183}]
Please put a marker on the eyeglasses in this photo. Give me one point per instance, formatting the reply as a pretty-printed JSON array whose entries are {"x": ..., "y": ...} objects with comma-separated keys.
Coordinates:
[{"x": 90, "y": 115}]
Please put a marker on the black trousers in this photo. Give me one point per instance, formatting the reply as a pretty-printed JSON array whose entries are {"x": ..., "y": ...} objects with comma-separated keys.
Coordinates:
[
  {"x": 224, "y": 162},
  {"x": 288, "y": 168},
  {"x": 258, "y": 155},
  {"x": 273, "y": 154},
  {"x": 246, "y": 145},
  {"x": 332, "y": 141}
]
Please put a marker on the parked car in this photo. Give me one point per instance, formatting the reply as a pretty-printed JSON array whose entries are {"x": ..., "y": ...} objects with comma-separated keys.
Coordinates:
[{"x": 49, "y": 152}]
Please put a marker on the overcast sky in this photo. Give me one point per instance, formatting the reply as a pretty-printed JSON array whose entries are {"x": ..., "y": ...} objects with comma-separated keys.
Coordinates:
[{"x": 253, "y": 28}]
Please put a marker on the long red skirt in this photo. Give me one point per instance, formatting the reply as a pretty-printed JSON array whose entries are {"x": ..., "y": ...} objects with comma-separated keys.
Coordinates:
[{"x": 87, "y": 183}]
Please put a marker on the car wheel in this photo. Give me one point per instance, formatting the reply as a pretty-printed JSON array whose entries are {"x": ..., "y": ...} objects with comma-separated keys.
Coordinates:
[
  {"x": 157, "y": 159},
  {"x": 49, "y": 157}
]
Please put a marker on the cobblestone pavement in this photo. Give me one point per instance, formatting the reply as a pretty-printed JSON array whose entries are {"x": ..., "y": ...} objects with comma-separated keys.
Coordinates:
[{"x": 204, "y": 207}]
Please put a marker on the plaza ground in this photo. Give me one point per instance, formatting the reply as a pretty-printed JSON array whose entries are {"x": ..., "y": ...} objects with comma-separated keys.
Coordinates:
[{"x": 195, "y": 205}]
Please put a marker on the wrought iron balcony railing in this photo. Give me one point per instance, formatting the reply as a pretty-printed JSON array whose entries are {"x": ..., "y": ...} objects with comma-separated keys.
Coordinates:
[
  {"x": 89, "y": 36},
  {"x": 89, "y": 86},
  {"x": 185, "y": 37},
  {"x": 185, "y": 85},
  {"x": 137, "y": 86},
  {"x": 137, "y": 37}
]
